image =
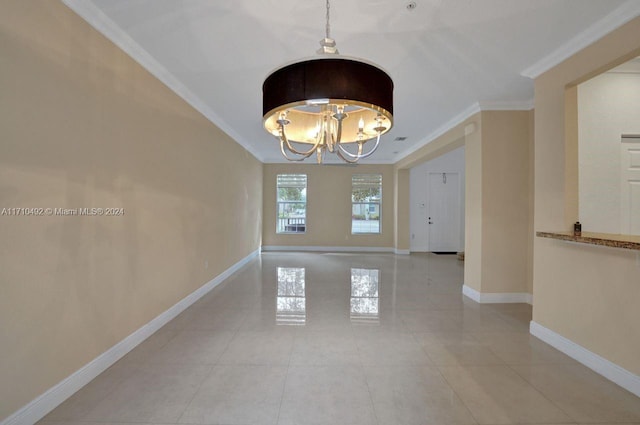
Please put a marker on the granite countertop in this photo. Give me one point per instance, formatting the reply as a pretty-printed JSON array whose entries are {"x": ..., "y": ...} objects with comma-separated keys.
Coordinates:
[{"x": 603, "y": 239}]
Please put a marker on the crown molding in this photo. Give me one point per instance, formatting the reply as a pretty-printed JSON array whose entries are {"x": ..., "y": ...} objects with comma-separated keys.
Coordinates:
[
  {"x": 104, "y": 25},
  {"x": 499, "y": 105},
  {"x": 456, "y": 120},
  {"x": 618, "y": 17},
  {"x": 506, "y": 105}
]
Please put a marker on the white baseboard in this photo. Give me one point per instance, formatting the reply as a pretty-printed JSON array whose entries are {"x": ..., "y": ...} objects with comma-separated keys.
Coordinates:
[
  {"x": 402, "y": 251},
  {"x": 497, "y": 297},
  {"x": 306, "y": 248},
  {"x": 54, "y": 396},
  {"x": 604, "y": 367}
]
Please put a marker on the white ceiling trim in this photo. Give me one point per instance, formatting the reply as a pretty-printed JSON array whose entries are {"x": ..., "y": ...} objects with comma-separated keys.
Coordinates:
[
  {"x": 499, "y": 105},
  {"x": 618, "y": 17},
  {"x": 526, "y": 105},
  {"x": 456, "y": 120},
  {"x": 103, "y": 24}
]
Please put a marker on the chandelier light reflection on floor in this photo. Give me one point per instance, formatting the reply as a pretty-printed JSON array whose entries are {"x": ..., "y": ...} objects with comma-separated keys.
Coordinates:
[{"x": 328, "y": 103}]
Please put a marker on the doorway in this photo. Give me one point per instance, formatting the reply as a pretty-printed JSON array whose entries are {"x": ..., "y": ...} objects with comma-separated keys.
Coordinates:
[
  {"x": 443, "y": 212},
  {"x": 421, "y": 177},
  {"x": 630, "y": 184}
]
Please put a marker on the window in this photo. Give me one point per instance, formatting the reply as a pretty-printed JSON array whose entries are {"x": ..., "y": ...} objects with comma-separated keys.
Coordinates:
[
  {"x": 366, "y": 196},
  {"x": 292, "y": 203}
]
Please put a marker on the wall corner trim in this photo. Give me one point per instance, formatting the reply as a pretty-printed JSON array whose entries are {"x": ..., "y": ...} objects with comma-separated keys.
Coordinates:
[
  {"x": 54, "y": 396},
  {"x": 497, "y": 297},
  {"x": 600, "y": 365}
]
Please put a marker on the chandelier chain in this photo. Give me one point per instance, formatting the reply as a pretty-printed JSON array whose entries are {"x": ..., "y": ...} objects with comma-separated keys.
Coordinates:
[{"x": 328, "y": 26}]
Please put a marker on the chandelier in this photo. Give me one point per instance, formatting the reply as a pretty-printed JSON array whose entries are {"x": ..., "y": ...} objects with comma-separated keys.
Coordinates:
[{"x": 328, "y": 103}]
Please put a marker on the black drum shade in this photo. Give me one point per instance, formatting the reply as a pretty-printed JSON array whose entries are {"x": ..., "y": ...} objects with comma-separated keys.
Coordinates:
[
  {"x": 334, "y": 78},
  {"x": 327, "y": 104}
]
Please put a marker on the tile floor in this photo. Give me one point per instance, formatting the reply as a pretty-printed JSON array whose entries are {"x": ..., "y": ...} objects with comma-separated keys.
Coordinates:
[{"x": 319, "y": 339}]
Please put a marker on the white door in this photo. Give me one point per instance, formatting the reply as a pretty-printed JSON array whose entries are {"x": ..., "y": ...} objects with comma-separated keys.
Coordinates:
[
  {"x": 630, "y": 181},
  {"x": 444, "y": 212}
]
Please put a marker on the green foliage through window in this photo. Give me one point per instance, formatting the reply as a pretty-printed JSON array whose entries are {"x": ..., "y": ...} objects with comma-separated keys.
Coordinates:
[
  {"x": 366, "y": 199},
  {"x": 291, "y": 203}
]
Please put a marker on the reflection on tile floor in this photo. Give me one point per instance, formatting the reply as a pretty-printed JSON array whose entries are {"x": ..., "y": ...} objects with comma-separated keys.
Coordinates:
[{"x": 319, "y": 339}]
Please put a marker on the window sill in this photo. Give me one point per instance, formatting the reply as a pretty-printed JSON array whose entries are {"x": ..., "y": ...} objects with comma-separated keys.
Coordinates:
[{"x": 602, "y": 239}]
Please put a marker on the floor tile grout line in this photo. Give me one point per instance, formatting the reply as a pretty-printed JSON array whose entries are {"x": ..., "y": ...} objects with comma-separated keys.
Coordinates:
[
  {"x": 286, "y": 375},
  {"x": 540, "y": 391},
  {"x": 188, "y": 404},
  {"x": 209, "y": 373},
  {"x": 135, "y": 366},
  {"x": 438, "y": 368},
  {"x": 366, "y": 381}
]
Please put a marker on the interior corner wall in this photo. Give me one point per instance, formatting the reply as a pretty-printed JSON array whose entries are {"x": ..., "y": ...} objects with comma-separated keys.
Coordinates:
[
  {"x": 583, "y": 293},
  {"x": 328, "y": 215},
  {"x": 505, "y": 201},
  {"x": 473, "y": 206},
  {"x": 84, "y": 126},
  {"x": 402, "y": 210},
  {"x": 531, "y": 179}
]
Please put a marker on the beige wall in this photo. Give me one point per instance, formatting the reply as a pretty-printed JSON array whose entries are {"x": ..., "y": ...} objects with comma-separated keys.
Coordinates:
[
  {"x": 586, "y": 294},
  {"x": 83, "y": 125},
  {"x": 498, "y": 197},
  {"x": 473, "y": 206},
  {"x": 402, "y": 209},
  {"x": 328, "y": 206},
  {"x": 505, "y": 200},
  {"x": 531, "y": 179}
]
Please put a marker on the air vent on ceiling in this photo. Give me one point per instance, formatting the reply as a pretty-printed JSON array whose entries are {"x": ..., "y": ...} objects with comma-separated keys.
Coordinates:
[
  {"x": 630, "y": 138},
  {"x": 400, "y": 139}
]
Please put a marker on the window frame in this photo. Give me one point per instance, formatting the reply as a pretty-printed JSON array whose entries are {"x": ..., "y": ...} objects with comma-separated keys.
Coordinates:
[
  {"x": 299, "y": 226},
  {"x": 359, "y": 181}
]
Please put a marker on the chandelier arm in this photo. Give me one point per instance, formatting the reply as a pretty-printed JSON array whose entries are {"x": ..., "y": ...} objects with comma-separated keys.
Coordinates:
[
  {"x": 332, "y": 143},
  {"x": 284, "y": 153},
  {"x": 360, "y": 155},
  {"x": 338, "y": 137},
  {"x": 344, "y": 158},
  {"x": 283, "y": 136},
  {"x": 320, "y": 155}
]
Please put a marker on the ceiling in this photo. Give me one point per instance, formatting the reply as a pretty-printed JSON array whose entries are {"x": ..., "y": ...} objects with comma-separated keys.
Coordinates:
[{"x": 448, "y": 58}]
